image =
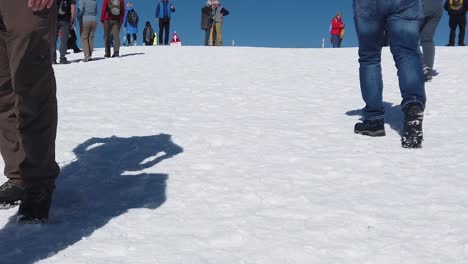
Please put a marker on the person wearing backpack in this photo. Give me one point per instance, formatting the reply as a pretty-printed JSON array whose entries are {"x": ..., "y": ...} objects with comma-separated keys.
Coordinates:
[
  {"x": 148, "y": 34},
  {"x": 131, "y": 25},
  {"x": 112, "y": 18},
  {"x": 337, "y": 30},
  {"x": 206, "y": 21},
  {"x": 218, "y": 14},
  {"x": 28, "y": 103},
  {"x": 87, "y": 14},
  {"x": 164, "y": 9},
  {"x": 65, "y": 20},
  {"x": 457, "y": 12}
]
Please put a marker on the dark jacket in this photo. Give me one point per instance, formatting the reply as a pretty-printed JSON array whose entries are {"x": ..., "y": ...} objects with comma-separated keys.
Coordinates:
[
  {"x": 148, "y": 40},
  {"x": 206, "y": 21},
  {"x": 457, "y": 11}
]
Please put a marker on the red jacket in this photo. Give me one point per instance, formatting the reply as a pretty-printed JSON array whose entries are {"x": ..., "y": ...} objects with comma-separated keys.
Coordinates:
[
  {"x": 105, "y": 14},
  {"x": 337, "y": 26}
]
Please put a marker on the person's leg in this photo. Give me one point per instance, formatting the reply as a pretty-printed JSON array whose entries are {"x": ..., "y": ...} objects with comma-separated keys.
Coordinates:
[
  {"x": 85, "y": 38},
  {"x": 207, "y": 37},
  {"x": 107, "y": 41},
  {"x": 65, "y": 29},
  {"x": 160, "y": 35},
  {"x": 219, "y": 33},
  {"x": 453, "y": 29},
  {"x": 167, "y": 25},
  {"x": 462, "y": 26},
  {"x": 404, "y": 30},
  {"x": 370, "y": 29},
  {"x": 335, "y": 41},
  {"x": 91, "y": 38},
  {"x": 214, "y": 37},
  {"x": 33, "y": 81},
  {"x": 427, "y": 40},
  {"x": 134, "y": 39},
  {"x": 116, "y": 33},
  {"x": 129, "y": 41}
]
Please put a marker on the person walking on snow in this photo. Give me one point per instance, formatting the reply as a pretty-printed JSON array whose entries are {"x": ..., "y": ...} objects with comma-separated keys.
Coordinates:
[
  {"x": 112, "y": 16},
  {"x": 337, "y": 30},
  {"x": 87, "y": 14},
  {"x": 457, "y": 11},
  {"x": 163, "y": 15},
  {"x": 148, "y": 34},
  {"x": 432, "y": 15},
  {"x": 65, "y": 21},
  {"x": 403, "y": 24},
  {"x": 131, "y": 25},
  {"x": 28, "y": 103}
]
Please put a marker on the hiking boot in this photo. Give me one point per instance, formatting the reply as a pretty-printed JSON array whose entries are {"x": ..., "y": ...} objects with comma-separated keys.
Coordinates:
[
  {"x": 64, "y": 61},
  {"x": 450, "y": 45},
  {"x": 77, "y": 51},
  {"x": 427, "y": 74},
  {"x": 35, "y": 205},
  {"x": 10, "y": 195},
  {"x": 372, "y": 128},
  {"x": 115, "y": 55},
  {"x": 461, "y": 44},
  {"x": 412, "y": 131},
  {"x": 107, "y": 55}
]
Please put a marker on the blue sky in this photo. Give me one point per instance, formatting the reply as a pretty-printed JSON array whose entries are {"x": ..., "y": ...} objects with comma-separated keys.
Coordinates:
[{"x": 264, "y": 23}]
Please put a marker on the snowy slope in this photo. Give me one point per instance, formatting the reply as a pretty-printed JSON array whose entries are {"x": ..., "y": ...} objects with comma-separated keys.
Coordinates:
[{"x": 247, "y": 155}]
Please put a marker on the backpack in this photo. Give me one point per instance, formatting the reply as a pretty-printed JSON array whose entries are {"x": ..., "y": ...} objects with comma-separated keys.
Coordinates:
[
  {"x": 64, "y": 9},
  {"x": 132, "y": 18},
  {"x": 455, "y": 5},
  {"x": 114, "y": 9}
]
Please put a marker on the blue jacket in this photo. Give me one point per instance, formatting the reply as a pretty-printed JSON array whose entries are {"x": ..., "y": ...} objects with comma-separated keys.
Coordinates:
[
  {"x": 163, "y": 9},
  {"x": 130, "y": 29}
]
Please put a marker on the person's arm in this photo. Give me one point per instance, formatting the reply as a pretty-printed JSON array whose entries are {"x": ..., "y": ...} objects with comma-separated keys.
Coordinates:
[
  {"x": 122, "y": 14},
  {"x": 172, "y": 7},
  {"x": 104, "y": 10},
  {"x": 38, "y": 5},
  {"x": 156, "y": 15},
  {"x": 73, "y": 15},
  {"x": 80, "y": 11},
  {"x": 224, "y": 12},
  {"x": 446, "y": 5}
]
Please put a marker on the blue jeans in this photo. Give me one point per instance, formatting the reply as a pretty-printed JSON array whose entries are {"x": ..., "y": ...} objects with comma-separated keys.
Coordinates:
[
  {"x": 402, "y": 20},
  {"x": 336, "y": 41}
]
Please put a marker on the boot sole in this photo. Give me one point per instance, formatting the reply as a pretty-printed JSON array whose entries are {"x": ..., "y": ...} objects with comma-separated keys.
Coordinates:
[
  {"x": 378, "y": 133},
  {"x": 9, "y": 205}
]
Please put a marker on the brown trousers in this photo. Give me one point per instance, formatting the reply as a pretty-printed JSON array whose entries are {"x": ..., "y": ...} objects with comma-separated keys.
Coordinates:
[
  {"x": 87, "y": 37},
  {"x": 28, "y": 103},
  {"x": 112, "y": 27}
]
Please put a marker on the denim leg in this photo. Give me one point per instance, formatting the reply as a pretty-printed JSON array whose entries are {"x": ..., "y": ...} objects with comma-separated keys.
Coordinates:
[
  {"x": 335, "y": 41},
  {"x": 370, "y": 30},
  {"x": 403, "y": 25}
]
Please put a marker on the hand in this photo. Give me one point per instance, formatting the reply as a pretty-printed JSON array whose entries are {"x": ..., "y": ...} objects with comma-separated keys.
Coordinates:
[
  {"x": 38, "y": 5},
  {"x": 157, "y": 19}
]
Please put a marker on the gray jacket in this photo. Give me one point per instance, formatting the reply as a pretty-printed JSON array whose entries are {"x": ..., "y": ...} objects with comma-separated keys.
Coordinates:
[
  {"x": 87, "y": 11},
  {"x": 433, "y": 8}
]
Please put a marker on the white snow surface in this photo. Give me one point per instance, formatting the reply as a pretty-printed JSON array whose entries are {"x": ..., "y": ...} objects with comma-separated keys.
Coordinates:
[{"x": 247, "y": 155}]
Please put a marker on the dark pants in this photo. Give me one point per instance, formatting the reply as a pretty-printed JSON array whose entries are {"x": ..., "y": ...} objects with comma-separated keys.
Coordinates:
[
  {"x": 64, "y": 27},
  {"x": 454, "y": 22},
  {"x": 72, "y": 40},
  {"x": 111, "y": 27},
  {"x": 207, "y": 36},
  {"x": 164, "y": 24},
  {"x": 131, "y": 38},
  {"x": 428, "y": 30},
  {"x": 28, "y": 103}
]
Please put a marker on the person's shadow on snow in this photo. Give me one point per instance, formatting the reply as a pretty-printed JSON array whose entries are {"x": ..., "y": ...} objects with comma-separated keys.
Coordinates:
[
  {"x": 393, "y": 116},
  {"x": 104, "y": 182}
]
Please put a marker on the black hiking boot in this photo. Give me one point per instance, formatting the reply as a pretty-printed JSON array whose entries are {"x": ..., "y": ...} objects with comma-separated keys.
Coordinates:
[
  {"x": 10, "y": 195},
  {"x": 372, "y": 128},
  {"x": 35, "y": 205},
  {"x": 427, "y": 74},
  {"x": 115, "y": 55},
  {"x": 64, "y": 61},
  {"x": 412, "y": 132}
]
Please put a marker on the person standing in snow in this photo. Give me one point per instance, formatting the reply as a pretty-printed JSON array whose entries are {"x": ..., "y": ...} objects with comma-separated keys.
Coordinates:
[
  {"x": 65, "y": 21},
  {"x": 131, "y": 25},
  {"x": 218, "y": 14},
  {"x": 403, "y": 24},
  {"x": 112, "y": 16},
  {"x": 457, "y": 12},
  {"x": 28, "y": 103},
  {"x": 164, "y": 11},
  {"x": 148, "y": 34},
  {"x": 432, "y": 15},
  {"x": 206, "y": 21},
  {"x": 87, "y": 14},
  {"x": 337, "y": 30}
]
